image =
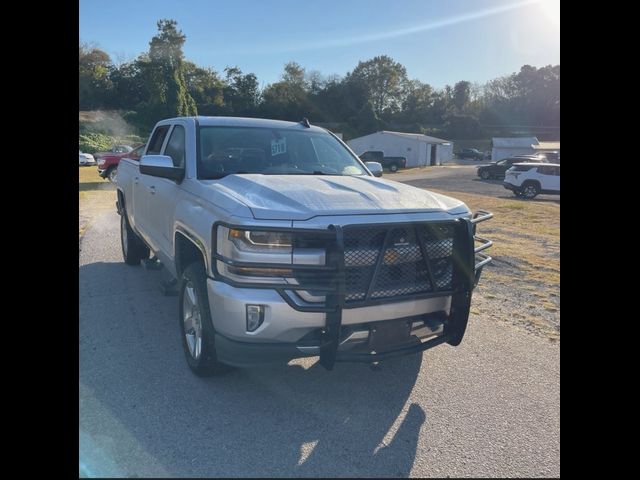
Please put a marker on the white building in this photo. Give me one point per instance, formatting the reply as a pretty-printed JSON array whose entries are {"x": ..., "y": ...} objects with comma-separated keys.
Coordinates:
[
  {"x": 508, "y": 147},
  {"x": 418, "y": 149},
  {"x": 544, "y": 147}
]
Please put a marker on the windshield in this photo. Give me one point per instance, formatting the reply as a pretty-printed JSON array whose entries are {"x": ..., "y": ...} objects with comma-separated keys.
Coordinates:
[{"x": 272, "y": 151}]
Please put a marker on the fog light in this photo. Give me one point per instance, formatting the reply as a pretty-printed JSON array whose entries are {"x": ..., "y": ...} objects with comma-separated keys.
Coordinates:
[{"x": 255, "y": 317}]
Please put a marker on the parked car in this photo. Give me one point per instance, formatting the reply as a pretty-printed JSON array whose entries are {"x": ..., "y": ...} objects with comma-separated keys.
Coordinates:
[
  {"x": 108, "y": 163},
  {"x": 285, "y": 245},
  {"x": 528, "y": 180},
  {"x": 535, "y": 157},
  {"x": 497, "y": 169},
  {"x": 552, "y": 157},
  {"x": 115, "y": 149},
  {"x": 392, "y": 163},
  {"x": 472, "y": 153},
  {"x": 86, "y": 159}
]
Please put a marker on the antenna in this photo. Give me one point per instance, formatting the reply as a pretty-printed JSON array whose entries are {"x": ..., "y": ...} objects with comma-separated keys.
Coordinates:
[{"x": 305, "y": 122}]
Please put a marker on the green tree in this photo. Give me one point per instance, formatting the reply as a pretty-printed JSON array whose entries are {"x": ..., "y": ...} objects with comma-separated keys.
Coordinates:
[
  {"x": 384, "y": 81},
  {"x": 205, "y": 87},
  {"x": 288, "y": 98},
  {"x": 94, "y": 83},
  {"x": 366, "y": 120},
  {"x": 242, "y": 93},
  {"x": 417, "y": 102},
  {"x": 461, "y": 95},
  {"x": 164, "y": 75}
]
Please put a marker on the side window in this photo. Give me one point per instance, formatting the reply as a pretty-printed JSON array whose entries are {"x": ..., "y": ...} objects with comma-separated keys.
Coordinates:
[
  {"x": 545, "y": 170},
  {"x": 556, "y": 171},
  {"x": 175, "y": 147},
  {"x": 155, "y": 145}
]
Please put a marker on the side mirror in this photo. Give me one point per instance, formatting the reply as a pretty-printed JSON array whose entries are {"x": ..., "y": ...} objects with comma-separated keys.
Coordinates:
[
  {"x": 375, "y": 168},
  {"x": 160, "y": 166}
]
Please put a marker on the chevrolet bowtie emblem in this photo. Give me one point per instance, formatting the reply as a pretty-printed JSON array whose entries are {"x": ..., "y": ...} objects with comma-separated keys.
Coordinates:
[{"x": 391, "y": 257}]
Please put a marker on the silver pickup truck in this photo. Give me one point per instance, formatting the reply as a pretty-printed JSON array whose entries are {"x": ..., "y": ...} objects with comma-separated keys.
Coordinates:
[{"x": 285, "y": 245}]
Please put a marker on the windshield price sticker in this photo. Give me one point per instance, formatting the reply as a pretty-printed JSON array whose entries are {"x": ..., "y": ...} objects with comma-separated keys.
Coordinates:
[{"x": 278, "y": 146}]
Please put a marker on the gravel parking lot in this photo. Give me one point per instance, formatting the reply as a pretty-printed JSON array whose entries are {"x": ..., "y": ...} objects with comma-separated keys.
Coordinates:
[
  {"x": 459, "y": 177},
  {"x": 488, "y": 408}
]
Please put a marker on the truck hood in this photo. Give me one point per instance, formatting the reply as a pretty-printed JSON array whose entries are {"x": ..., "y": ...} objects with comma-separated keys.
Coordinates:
[{"x": 301, "y": 197}]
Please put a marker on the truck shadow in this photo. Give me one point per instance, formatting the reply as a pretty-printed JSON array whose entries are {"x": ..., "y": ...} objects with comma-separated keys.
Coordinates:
[{"x": 296, "y": 420}]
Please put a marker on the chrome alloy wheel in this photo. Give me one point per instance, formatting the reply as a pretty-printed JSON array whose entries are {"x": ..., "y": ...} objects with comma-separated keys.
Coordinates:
[
  {"x": 192, "y": 321},
  {"x": 529, "y": 191}
]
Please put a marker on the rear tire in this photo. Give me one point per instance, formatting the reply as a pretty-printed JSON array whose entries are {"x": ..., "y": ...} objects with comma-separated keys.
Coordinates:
[
  {"x": 133, "y": 248},
  {"x": 393, "y": 168},
  {"x": 530, "y": 190},
  {"x": 196, "y": 326}
]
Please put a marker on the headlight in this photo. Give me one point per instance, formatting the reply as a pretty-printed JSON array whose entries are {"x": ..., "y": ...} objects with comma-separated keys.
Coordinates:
[
  {"x": 261, "y": 241},
  {"x": 101, "y": 161},
  {"x": 239, "y": 248}
]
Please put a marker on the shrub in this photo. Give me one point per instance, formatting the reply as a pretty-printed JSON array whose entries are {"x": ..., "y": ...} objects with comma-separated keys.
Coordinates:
[{"x": 95, "y": 142}]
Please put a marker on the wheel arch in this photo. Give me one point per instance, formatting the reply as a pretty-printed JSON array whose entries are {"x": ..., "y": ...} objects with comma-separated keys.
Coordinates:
[
  {"x": 187, "y": 249},
  {"x": 531, "y": 181}
]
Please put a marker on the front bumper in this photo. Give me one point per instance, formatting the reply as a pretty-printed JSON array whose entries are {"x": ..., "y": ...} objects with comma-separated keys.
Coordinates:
[
  {"x": 287, "y": 333},
  {"x": 340, "y": 330},
  {"x": 355, "y": 344},
  {"x": 509, "y": 186}
]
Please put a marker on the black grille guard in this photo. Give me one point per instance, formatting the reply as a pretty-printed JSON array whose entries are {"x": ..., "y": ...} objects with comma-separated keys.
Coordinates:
[{"x": 329, "y": 280}]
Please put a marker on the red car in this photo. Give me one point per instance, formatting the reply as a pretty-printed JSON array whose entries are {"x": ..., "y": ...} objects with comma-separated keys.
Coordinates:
[{"x": 108, "y": 162}]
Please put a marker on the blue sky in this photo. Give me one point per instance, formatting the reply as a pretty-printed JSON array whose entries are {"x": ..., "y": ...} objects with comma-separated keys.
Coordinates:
[{"x": 439, "y": 42}]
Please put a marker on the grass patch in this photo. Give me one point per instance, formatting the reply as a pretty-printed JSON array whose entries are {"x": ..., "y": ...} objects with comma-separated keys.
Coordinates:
[
  {"x": 526, "y": 238},
  {"x": 95, "y": 196},
  {"x": 526, "y": 254},
  {"x": 90, "y": 174},
  {"x": 514, "y": 206}
]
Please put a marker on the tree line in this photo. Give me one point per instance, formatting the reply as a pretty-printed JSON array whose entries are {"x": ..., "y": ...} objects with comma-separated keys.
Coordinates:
[{"x": 377, "y": 94}]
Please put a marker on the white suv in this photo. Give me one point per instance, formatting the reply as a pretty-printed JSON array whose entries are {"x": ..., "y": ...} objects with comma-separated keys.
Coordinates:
[{"x": 530, "y": 179}]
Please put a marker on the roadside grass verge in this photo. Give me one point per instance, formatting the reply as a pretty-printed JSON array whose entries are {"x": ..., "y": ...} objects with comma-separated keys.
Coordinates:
[
  {"x": 96, "y": 195},
  {"x": 522, "y": 284}
]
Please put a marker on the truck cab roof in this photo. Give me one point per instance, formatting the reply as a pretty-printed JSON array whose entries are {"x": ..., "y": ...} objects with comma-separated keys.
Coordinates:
[{"x": 242, "y": 122}]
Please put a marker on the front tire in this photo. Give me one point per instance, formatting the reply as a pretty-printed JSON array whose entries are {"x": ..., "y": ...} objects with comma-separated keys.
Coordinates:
[
  {"x": 485, "y": 175},
  {"x": 133, "y": 249},
  {"x": 196, "y": 326},
  {"x": 393, "y": 168}
]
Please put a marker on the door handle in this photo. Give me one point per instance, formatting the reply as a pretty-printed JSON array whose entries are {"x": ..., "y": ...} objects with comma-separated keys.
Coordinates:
[
  {"x": 152, "y": 189},
  {"x": 136, "y": 180}
]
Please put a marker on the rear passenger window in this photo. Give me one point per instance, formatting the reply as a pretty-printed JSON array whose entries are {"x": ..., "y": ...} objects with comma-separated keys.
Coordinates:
[
  {"x": 155, "y": 145},
  {"x": 175, "y": 147}
]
